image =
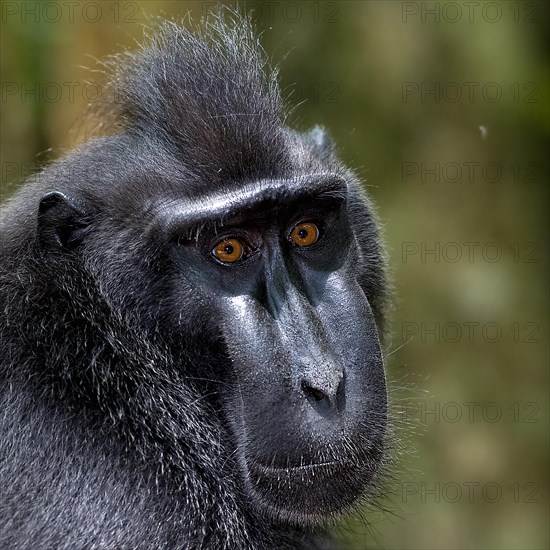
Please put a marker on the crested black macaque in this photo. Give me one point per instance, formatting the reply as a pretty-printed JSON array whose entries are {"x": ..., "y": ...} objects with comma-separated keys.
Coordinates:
[{"x": 191, "y": 316}]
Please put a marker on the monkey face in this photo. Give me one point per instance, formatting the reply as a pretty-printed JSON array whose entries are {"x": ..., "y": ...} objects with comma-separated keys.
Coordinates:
[{"x": 304, "y": 393}]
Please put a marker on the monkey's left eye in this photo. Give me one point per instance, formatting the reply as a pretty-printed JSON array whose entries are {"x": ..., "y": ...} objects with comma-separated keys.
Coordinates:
[
  {"x": 304, "y": 234},
  {"x": 230, "y": 250}
]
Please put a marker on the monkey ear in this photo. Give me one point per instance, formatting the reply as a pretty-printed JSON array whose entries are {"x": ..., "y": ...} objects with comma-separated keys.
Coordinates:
[
  {"x": 321, "y": 141},
  {"x": 61, "y": 221}
]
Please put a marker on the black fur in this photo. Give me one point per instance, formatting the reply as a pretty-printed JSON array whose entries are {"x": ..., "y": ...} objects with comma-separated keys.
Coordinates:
[{"x": 118, "y": 428}]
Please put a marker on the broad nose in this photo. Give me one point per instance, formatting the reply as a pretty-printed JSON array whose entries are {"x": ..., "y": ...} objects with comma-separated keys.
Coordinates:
[{"x": 324, "y": 389}]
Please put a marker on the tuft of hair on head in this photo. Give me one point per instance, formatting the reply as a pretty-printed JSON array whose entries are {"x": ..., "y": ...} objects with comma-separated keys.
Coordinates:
[{"x": 205, "y": 89}]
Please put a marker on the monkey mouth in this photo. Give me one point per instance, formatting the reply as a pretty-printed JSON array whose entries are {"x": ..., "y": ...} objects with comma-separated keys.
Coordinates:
[
  {"x": 307, "y": 493},
  {"x": 304, "y": 473}
]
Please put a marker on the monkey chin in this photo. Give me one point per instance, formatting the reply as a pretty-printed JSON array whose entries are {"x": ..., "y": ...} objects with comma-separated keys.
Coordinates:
[{"x": 310, "y": 494}]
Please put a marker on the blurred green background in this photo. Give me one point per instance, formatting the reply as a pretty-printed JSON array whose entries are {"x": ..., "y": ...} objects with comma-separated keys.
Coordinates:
[{"x": 443, "y": 110}]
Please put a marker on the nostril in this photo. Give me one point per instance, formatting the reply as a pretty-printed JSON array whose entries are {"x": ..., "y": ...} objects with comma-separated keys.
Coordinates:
[
  {"x": 325, "y": 396},
  {"x": 313, "y": 393}
]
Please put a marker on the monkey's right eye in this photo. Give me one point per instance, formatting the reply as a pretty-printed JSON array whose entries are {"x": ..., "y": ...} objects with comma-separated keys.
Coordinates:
[{"x": 229, "y": 250}]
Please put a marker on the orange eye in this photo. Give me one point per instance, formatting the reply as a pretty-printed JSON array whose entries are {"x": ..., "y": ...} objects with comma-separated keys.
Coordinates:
[
  {"x": 229, "y": 250},
  {"x": 305, "y": 234}
]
